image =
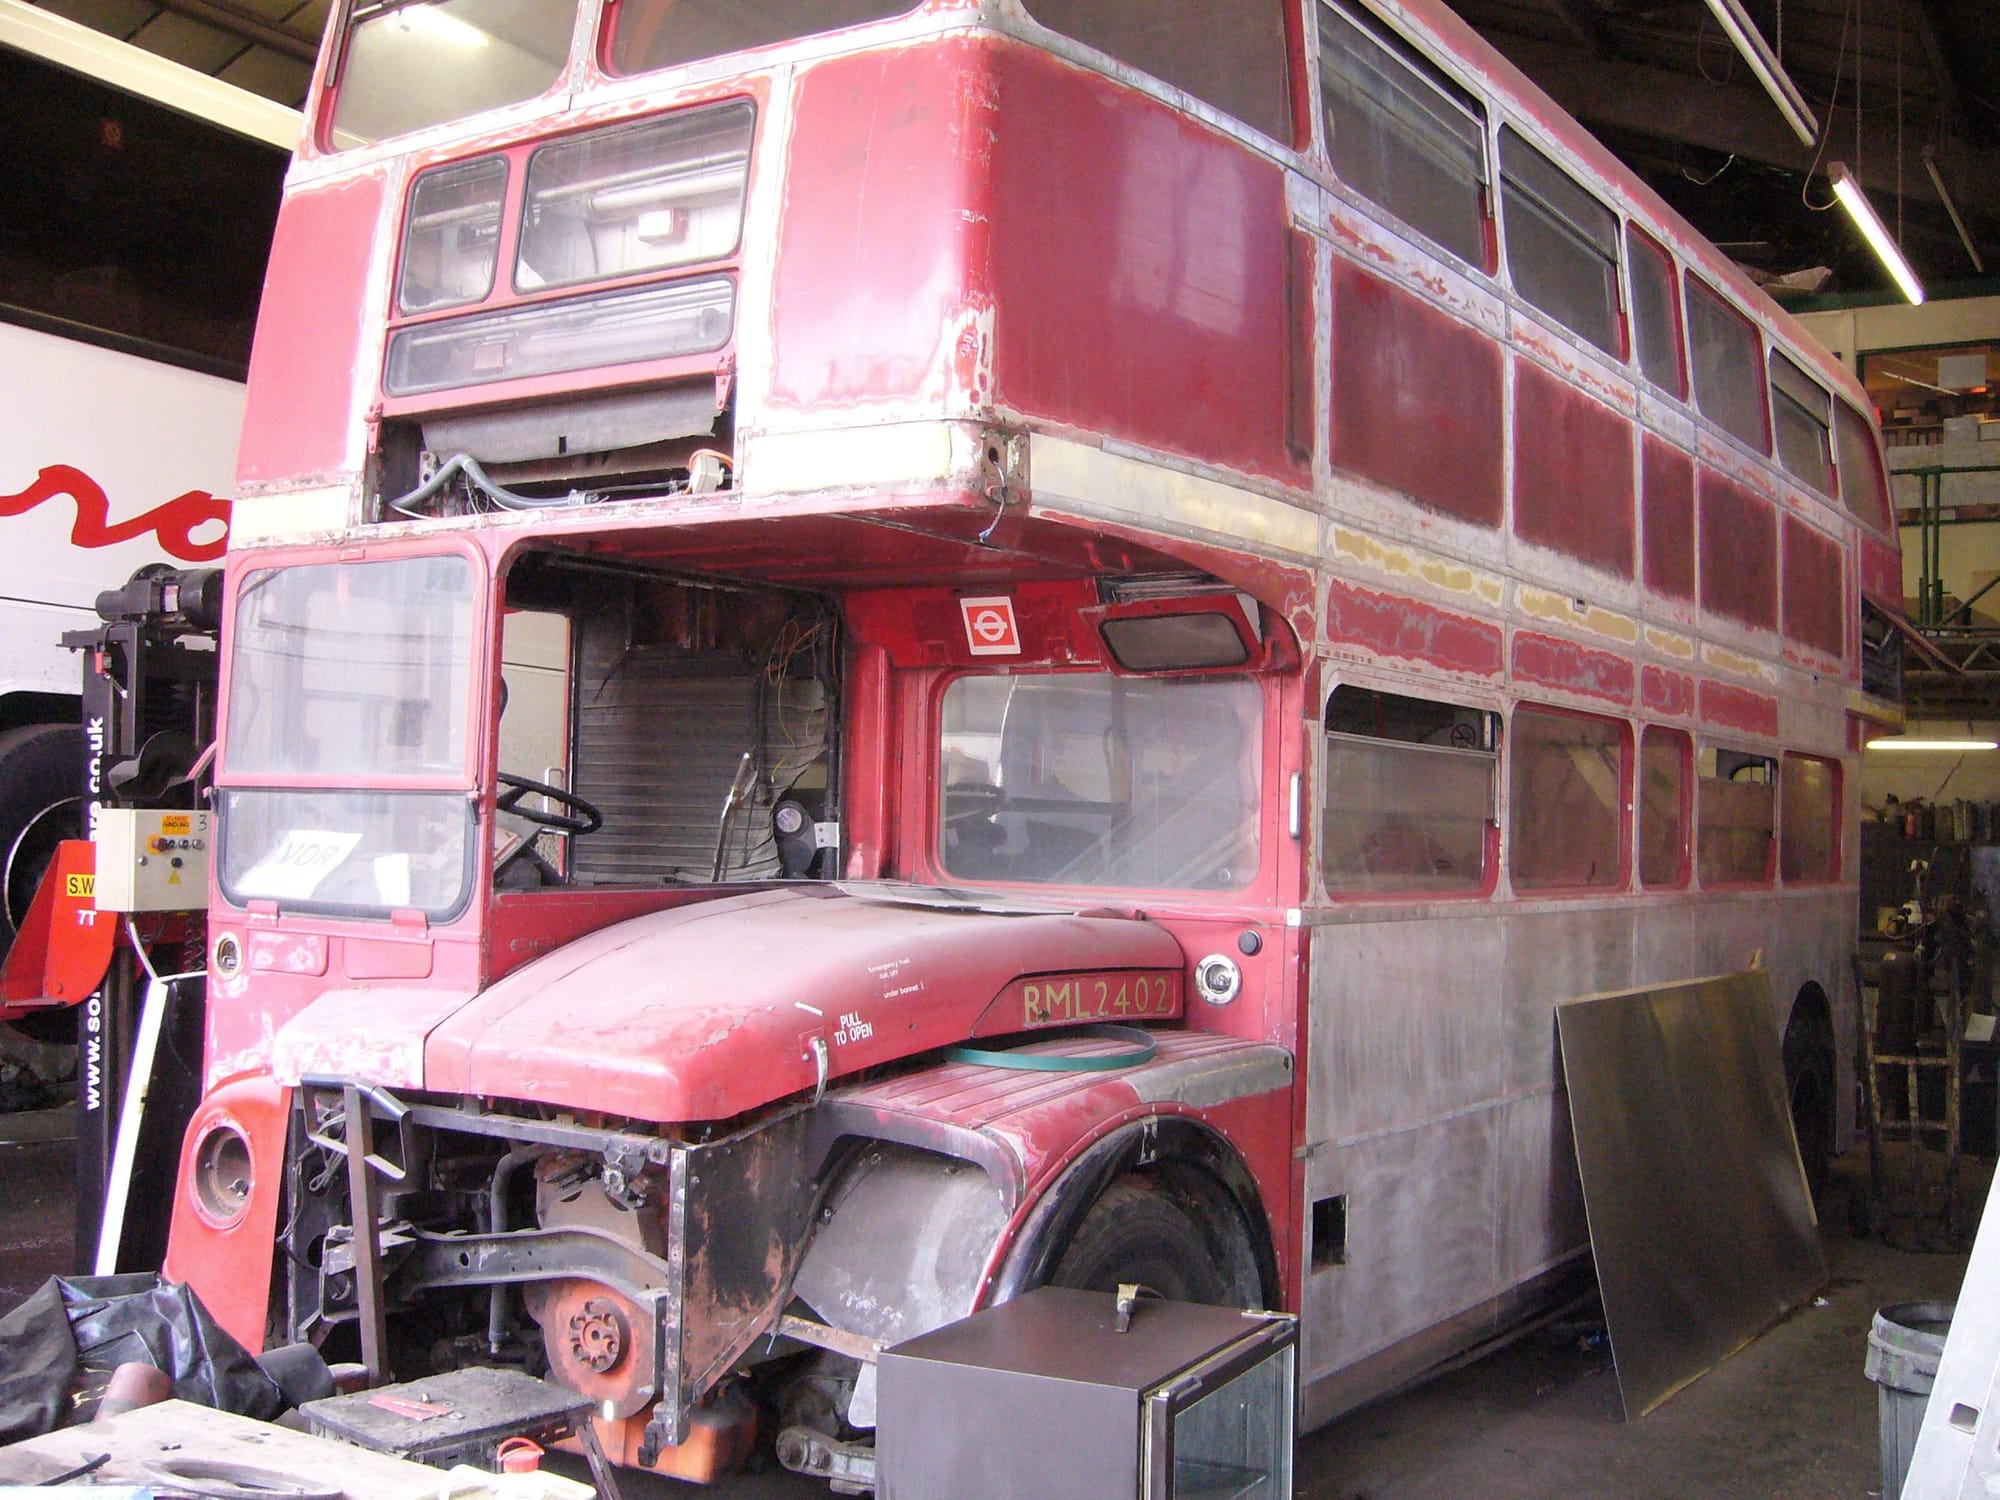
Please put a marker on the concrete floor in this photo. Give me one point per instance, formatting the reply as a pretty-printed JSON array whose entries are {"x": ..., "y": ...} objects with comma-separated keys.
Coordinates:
[{"x": 1790, "y": 1417}]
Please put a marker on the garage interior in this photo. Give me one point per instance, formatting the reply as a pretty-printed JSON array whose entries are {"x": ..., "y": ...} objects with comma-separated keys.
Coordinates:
[{"x": 1901, "y": 93}]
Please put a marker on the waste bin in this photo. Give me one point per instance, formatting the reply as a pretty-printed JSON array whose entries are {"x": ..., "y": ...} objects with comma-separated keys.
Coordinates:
[{"x": 1904, "y": 1345}]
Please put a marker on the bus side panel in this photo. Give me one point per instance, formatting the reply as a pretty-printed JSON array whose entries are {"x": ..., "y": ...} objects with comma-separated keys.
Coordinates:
[
  {"x": 302, "y": 414},
  {"x": 1572, "y": 471},
  {"x": 1138, "y": 272},
  {"x": 870, "y": 284}
]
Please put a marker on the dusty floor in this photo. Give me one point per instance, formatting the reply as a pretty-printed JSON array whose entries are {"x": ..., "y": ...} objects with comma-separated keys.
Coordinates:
[{"x": 1792, "y": 1416}]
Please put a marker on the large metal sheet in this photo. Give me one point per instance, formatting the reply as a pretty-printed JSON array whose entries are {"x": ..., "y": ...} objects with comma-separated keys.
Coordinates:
[{"x": 1699, "y": 1215}]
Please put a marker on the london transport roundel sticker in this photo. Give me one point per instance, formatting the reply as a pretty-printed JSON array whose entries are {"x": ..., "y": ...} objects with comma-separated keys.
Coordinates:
[{"x": 989, "y": 626}]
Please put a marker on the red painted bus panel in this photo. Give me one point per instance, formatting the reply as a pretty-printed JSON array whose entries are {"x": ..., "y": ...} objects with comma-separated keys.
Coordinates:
[
  {"x": 1882, "y": 574},
  {"x": 590, "y": 1027},
  {"x": 877, "y": 228},
  {"x": 303, "y": 367},
  {"x": 1667, "y": 502},
  {"x": 1137, "y": 273},
  {"x": 229, "y": 1265},
  {"x": 1739, "y": 552},
  {"x": 1572, "y": 471},
  {"x": 1397, "y": 626},
  {"x": 1666, "y": 692},
  {"x": 1729, "y": 707},
  {"x": 1815, "y": 602},
  {"x": 1416, "y": 398},
  {"x": 1556, "y": 663}
]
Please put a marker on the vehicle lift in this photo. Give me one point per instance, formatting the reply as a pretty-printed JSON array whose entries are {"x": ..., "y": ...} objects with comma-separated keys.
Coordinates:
[{"x": 121, "y": 937}]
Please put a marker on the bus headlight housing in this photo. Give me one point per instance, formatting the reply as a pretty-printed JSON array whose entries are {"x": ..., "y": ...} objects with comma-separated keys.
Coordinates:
[{"x": 223, "y": 1174}]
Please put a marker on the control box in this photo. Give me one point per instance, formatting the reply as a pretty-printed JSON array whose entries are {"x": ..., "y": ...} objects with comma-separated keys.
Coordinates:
[{"x": 151, "y": 860}]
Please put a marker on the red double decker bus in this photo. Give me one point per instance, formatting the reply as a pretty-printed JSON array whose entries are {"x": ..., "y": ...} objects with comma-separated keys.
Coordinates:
[{"x": 778, "y": 544}]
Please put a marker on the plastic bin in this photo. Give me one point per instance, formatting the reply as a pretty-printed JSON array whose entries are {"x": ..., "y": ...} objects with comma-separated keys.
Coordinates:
[{"x": 1904, "y": 1345}]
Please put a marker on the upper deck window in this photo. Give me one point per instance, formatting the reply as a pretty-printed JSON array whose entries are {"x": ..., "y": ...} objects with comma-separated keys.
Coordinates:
[
  {"x": 650, "y": 34},
  {"x": 1402, "y": 134},
  {"x": 1224, "y": 52},
  {"x": 1801, "y": 413},
  {"x": 1562, "y": 245},
  {"x": 405, "y": 66},
  {"x": 1727, "y": 387},
  {"x": 1861, "y": 488},
  {"x": 1656, "y": 314}
]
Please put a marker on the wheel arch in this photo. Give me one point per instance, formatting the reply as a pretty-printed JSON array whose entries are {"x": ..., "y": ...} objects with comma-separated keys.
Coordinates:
[{"x": 1199, "y": 1159}]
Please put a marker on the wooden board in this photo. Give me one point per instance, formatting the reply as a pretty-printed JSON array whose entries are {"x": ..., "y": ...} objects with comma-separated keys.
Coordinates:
[{"x": 182, "y": 1430}]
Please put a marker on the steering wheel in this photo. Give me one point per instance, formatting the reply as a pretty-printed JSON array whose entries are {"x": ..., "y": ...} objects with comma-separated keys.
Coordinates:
[
  {"x": 582, "y": 817},
  {"x": 971, "y": 802}
]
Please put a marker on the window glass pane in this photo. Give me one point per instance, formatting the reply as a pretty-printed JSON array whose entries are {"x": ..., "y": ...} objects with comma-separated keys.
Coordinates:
[
  {"x": 1656, "y": 323},
  {"x": 416, "y": 64},
  {"x": 1737, "y": 817},
  {"x": 1090, "y": 779},
  {"x": 1810, "y": 847},
  {"x": 352, "y": 669},
  {"x": 649, "y": 34},
  {"x": 1861, "y": 488},
  {"x": 453, "y": 237},
  {"x": 1228, "y": 53},
  {"x": 367, "y": 852},
  {"x": 1404, "y": 136},
  {"x": 1663, "y": 805},
  {"x": 1566, "y": 801},
  {"x": 1410, "y": 794},
  {"x": 1727, "y": 373},
  {"x": 1800, "y": 414},
  {"x": 1562, "y": 245}
]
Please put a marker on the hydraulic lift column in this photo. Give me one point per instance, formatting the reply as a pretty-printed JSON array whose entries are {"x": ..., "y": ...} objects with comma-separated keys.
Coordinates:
[{"x": 149, "y": 676}]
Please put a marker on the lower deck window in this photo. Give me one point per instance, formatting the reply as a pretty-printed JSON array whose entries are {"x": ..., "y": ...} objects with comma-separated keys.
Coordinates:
[
  {"x": 1737, "y": 805},
  {"x": 1566, "y": 803},
  {"x": 1085, "y": 778},
  {"x": 1809, "y": 845},
  {"x": 1663, "y": 807},
  {"x": 1410, "y": 795}
]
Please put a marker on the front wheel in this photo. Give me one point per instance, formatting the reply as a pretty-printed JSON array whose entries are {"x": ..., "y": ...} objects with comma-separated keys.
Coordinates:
[
  {"x": 41, "y": 804},
  {"x": 1168, "y": 1241}
]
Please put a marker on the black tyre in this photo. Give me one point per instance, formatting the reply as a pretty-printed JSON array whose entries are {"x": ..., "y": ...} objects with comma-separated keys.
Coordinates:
[
  {"x": 1809, "y": 1086},
  {"x": 41, "y": 804},
  {"x": 1169, "y": 1242}
]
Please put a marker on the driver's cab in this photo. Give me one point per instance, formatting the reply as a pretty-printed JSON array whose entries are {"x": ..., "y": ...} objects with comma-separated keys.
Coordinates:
[{"x": 659, "y": 729}]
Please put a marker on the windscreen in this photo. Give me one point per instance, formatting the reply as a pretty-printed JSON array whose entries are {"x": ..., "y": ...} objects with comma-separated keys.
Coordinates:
[
  {"x": 347, "y": 677},
  {"x": 649, "y": 34},
  {"x": 1095, "y": 780},
  {"x": 422, "y": 62}
]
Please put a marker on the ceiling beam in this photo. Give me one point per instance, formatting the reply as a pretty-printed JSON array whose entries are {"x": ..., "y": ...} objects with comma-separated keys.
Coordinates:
[
  {"x": 1732, "y": 118},
  {"x": 1925, "y": 12},
  {"x": 40, "y": 33},
  {"x": 244, "y": 25}
]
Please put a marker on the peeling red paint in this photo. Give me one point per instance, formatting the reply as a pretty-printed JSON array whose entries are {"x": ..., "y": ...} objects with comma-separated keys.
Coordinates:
[
  {"x": 1416, "y": 398},
  {"x": 1572, "y": 471},
  {"x": 1729, "y": 707},
  {"x": 304, "y": 365},
  {"x": 1739, "y": 552},
  {"x": 1667, "y": 501},
  {"x": 1391, "y": 625},
  {"x": 1667, "y": 692},
  {"x": 1882, "y": 573},
  {"x": 1815, "y": 606},
  {"x": 1573, "y": 668},
  {"x": 1133, "y": 270}
]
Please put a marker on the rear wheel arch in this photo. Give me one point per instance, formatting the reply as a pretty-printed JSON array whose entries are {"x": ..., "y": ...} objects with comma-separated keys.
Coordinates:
[{"x": 1161, "y": 1162}]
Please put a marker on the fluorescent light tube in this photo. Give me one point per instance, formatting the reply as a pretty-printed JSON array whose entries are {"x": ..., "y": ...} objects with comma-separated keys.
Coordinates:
[
  {"x": 1770, "y": 72},
  {"x": 1848, "y": 190},
  {"x": 1946, "y": 747}
]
